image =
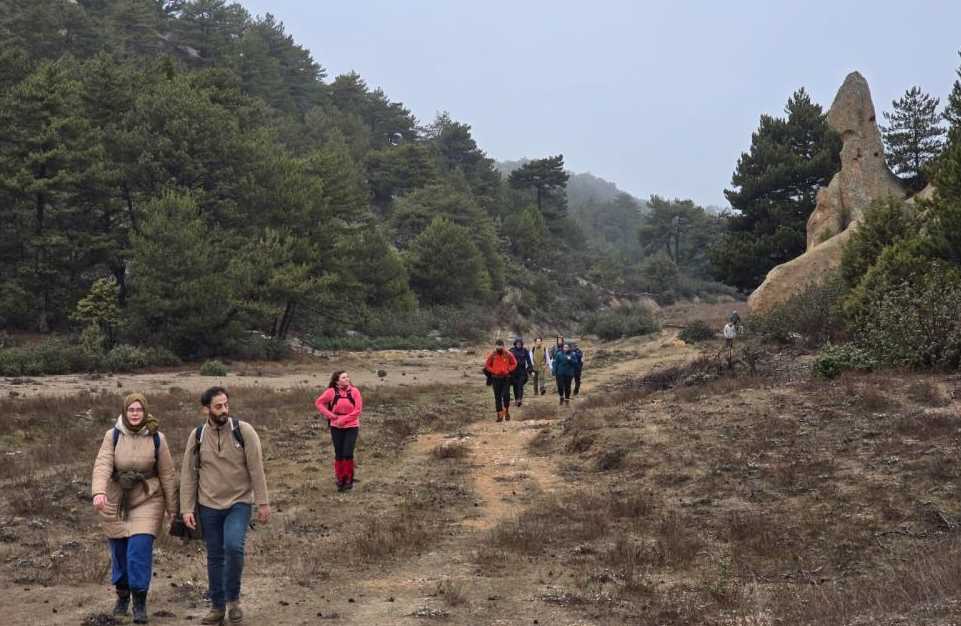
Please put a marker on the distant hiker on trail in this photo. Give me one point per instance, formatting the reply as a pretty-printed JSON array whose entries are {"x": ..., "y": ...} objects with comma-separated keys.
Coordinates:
[
  {"x": 134, "y": 482},
  {"x": 564, "y": 368},
  {"x": 730, "y": 332},
  {"x": 223, "y": 477},
  {"x": 735, "y": 319},
  {"x": 498, "y": 368},
  {"x": 578, "y": 367},
  {"x": 539, "y": 360},
  {"x": 341, "y": 404},
  {"x": 524, "y": 366},
  {"x": 557, "y": 347}
]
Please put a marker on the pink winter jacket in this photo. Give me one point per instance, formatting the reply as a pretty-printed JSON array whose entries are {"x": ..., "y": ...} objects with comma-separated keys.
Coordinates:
[{"x": 345, "y": 414}]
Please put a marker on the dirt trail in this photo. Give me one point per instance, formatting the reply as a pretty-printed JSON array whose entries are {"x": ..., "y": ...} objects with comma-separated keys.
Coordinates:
[{"x": 503, "y": 477}]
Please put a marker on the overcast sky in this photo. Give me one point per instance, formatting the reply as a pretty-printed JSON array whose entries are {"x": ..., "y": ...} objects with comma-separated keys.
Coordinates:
[{"x": 658, "y": 97}]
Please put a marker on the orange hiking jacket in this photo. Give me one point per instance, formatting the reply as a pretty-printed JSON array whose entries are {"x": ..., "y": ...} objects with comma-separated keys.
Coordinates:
[{"x": 500, "y": 365}]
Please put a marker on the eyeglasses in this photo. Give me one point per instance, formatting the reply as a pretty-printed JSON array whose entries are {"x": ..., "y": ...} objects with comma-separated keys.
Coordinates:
[{"x": 134, "y": 409}]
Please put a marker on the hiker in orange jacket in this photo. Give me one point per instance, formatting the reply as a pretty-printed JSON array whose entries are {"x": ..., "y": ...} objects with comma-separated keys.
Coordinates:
[{"x": 499, "y": 366}]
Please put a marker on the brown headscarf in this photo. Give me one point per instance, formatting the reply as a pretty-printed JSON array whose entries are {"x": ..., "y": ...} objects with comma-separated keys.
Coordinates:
[{"x": 149, "y": 421}]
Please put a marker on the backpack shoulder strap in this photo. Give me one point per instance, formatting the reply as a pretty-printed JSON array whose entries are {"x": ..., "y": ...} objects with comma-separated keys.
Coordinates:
[
  {"x": 235, "y": 431},
  {"x": 198, "y": 439},
  {"x": 116, "y": 437},
  {"x": 156, "y": 453}
]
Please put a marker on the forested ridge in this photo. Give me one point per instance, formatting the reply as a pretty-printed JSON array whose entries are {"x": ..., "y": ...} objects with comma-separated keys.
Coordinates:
[{"x": 175, "y": 173}]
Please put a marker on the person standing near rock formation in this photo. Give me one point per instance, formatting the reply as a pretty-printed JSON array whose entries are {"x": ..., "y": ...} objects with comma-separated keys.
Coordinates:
[{"x": 134, "y": 482}]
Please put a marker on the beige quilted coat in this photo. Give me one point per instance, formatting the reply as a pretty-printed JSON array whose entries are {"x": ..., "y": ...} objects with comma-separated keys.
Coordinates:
[{"x": 147, "y": 501}]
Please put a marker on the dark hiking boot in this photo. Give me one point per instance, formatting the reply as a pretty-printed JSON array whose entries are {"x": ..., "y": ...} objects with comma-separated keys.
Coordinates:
[
  {"x": 562, "y": 401},
  {"x": 235, "y": 615},
  {"x": 215, "y": 616},
  {"x": 519, "y": 402},
  {"x": 139, "y": 607},
  {"x": 507, "y": 415},
  {"x": 349, "y": 484},
  {"x": 123, "y": 601},
  {"x": 500, "y": 416},
  {"x": 341, "y": 485}
]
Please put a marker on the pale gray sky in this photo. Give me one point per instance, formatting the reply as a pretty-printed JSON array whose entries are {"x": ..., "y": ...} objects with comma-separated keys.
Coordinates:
[{"x": 658, "y": 97}]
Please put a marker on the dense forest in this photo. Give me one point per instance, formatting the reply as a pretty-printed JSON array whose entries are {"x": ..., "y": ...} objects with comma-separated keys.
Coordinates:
[{"x": 181, "y": 173}]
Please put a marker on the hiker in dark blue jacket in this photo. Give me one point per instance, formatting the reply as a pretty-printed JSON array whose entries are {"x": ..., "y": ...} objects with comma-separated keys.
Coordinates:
[
  {"x": 579, "y": 365},
  {"x": 564, "y": 367},
  {"x": 524, "y": 367}
]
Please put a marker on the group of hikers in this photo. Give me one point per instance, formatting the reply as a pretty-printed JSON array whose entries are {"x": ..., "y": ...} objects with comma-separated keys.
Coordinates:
[
  {"x": 510, "y": 369},
  {"x": 222, "y": 485}
]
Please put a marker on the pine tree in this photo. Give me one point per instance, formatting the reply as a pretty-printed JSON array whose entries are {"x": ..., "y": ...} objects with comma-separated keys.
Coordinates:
[
  {"x": 446, "y": 267},
  {"x": 774, "y": 189},
  {"x": 548, "y": 180},
  {"x": 913, "y": 137},
  {"x": 181, "y": 296},
  {"x": 952, "y": 112}
]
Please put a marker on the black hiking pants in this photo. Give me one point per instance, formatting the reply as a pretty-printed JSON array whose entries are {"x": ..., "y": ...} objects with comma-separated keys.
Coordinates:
[
  {"x": 577, "y": 382},
  {"x": 564, "y": 386},
  {"x": 518, "y": 382},
  {"x": 344, "y": 441},
  {"x": 502, "y": 393}
]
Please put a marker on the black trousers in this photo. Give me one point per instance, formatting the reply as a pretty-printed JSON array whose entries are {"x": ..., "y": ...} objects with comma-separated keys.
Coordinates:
[
  {"x": 518, "y": 385},
  {"x": 344, "y": 441},
  {"x": 564, "y": 386},
  {"x": 502, "y": 393},
  {"x": 577, "y": 382}
]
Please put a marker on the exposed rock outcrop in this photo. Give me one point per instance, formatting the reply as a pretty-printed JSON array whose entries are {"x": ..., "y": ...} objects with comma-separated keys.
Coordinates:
[{"x": 863, "y": 179}]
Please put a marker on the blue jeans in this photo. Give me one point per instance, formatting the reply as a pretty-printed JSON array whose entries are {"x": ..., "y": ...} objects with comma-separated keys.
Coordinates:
[
  {"x": 225, "y": 532},
  {"x": 132, "y": 562}
]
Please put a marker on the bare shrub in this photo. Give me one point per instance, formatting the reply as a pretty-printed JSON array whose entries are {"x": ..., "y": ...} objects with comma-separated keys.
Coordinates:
[
  {"x": 921, "y": 425},
  {"x": 451, "y": 450},
  {"x": 926, "y": 393},
  {"x": 580, "y": 443},
  {"x": 611, "y": 459},
  {"x": 451, "y": 592},
  {"x": 581, "y": 517},
  {"x": 677, "y": 540}
]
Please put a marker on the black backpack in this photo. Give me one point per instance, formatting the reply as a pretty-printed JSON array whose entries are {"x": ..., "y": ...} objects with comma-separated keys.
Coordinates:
[
  {"x": 234, "y": 430},
  {"x": 349, "y": 396},
  {"x": 156, "y": 448}
]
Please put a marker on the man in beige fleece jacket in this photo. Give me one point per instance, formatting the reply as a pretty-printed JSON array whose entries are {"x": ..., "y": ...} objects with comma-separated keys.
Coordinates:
[{"x": 223, "y": 479}]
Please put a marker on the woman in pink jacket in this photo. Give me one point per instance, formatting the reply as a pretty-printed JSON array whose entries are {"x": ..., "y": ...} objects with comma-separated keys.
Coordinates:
[{"x": 341, "y": 404}]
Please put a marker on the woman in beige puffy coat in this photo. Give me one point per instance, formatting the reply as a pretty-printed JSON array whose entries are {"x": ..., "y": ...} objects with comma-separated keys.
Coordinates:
[{"x": 134, "y": 481}]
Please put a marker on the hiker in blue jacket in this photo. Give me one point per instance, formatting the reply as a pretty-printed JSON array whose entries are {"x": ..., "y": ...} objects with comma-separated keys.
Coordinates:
[{"x": 564, "y": 366}]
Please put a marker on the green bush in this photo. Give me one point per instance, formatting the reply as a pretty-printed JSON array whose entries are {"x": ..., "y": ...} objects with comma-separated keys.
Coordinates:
[
  {"x": 50, "y": 356},
  {"x": 813, "y": 315},
  {"x": 161, "y": 357},
  {"x": 626, "y": 321},
  {"x": 698, "y": 330},
  {"x": 125, "y": 358},
  {"x": 914, "y": 322},
  {"x": 213, "y": 368},
  {"x": 58, "y": 356},
  {"x": 834, "y": 359}
]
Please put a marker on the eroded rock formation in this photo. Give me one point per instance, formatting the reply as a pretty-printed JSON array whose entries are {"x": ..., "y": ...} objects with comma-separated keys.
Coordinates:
[{"x": 864, "y": 178}]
